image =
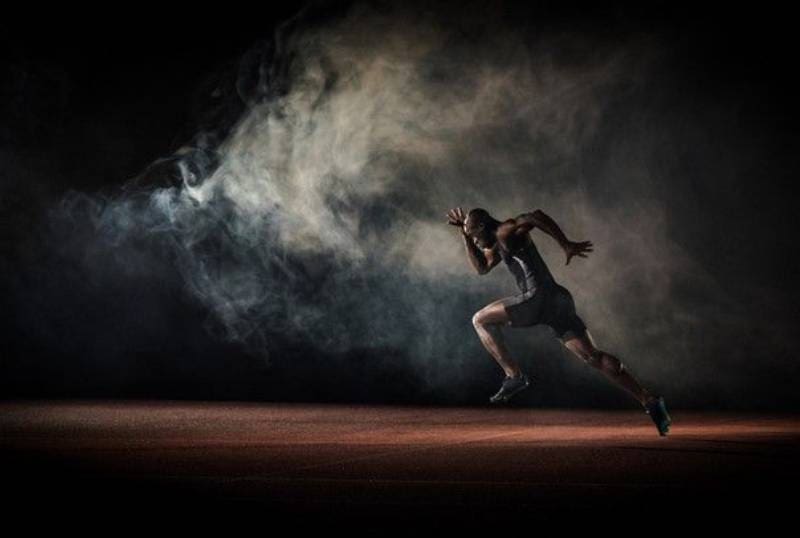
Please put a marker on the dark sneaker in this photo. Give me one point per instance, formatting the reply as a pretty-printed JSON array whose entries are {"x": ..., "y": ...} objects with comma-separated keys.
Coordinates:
[
  {"x": 657, "y": 409},
  {"x": 511, "y": 386}
]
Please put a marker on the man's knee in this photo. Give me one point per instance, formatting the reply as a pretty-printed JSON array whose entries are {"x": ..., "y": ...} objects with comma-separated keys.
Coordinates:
[
  {"x": 484, "y": 322},
  {"x": 593, "y": 357},
  {"x": 478, "y": 319}
]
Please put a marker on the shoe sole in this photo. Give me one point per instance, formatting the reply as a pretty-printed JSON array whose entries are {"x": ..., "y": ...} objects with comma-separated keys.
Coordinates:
[
  {"x": 663, "y": 432},
  {"x": 507, "y": 397}
]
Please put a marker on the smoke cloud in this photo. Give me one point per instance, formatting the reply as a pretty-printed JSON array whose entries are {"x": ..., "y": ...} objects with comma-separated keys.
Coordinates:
[{"x": 316, "y": 210}]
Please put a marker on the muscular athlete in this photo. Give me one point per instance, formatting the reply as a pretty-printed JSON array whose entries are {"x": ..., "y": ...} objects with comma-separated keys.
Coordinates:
[{"x": 541, "y": 300}]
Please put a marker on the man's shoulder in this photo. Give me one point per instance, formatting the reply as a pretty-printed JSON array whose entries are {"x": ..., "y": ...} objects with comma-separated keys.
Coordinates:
[
  {"x": 506, "y": 227},
  {"x": 506, "y": 236}
]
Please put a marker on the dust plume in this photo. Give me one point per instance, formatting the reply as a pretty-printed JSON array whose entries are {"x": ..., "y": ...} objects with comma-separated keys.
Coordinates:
[{"x": 318, "y": 211}]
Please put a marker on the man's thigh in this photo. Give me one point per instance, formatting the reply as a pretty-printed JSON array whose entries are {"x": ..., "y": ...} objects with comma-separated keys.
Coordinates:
[{"x": 494, "y": 312}]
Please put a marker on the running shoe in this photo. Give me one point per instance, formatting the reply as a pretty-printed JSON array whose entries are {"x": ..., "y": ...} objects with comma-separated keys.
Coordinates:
[
  {"x": 657, "y": 409},
  {"x": 510, "y": 387}
]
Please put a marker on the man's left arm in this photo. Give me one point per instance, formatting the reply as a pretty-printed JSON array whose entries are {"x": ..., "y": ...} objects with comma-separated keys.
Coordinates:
[{"x": 539, "y": 219}]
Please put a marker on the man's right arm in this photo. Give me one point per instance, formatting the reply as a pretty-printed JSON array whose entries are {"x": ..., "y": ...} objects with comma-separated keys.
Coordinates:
[
  {"x": 474, "y": 254},
  {"x": 482, "y": 260}
]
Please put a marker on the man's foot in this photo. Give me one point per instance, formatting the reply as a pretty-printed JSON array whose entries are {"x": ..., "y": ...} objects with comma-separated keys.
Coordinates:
[
  {"x": 511, "y": 386},
  {"x": 657, "y": 409}
]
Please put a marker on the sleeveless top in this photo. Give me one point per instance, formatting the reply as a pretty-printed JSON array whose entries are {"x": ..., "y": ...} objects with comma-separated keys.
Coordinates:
[{"x": 527, "y": 266}]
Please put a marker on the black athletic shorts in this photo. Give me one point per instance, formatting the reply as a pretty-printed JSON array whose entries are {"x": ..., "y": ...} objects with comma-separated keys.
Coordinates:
[{"x": 550, "y": 304}]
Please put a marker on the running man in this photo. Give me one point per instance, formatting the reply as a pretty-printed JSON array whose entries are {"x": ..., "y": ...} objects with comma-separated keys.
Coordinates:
[{"x": 541, "y": 300}]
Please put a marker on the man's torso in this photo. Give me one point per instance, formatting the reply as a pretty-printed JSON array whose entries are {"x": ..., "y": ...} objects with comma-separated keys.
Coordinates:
[{"x": 526, "y": 264}]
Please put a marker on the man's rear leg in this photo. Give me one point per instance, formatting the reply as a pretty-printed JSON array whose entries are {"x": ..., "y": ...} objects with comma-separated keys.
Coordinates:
[{"x": 583, "y": 346}]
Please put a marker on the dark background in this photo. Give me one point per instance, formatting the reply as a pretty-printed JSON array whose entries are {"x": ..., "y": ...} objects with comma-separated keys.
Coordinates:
[{"x": 91, "y": 98}]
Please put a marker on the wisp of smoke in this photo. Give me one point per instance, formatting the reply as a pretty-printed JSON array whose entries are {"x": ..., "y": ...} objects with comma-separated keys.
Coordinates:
[{"x": 320, "y": 213}]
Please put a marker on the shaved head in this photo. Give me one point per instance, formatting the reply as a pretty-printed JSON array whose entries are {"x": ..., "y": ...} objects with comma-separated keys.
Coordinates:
[
  {"x": 479, "y": 217},
  {"x": 481, "y": 226}
]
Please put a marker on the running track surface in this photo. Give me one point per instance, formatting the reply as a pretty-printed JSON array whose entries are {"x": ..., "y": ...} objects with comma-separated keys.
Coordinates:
[{"x": 375, "y": 466}]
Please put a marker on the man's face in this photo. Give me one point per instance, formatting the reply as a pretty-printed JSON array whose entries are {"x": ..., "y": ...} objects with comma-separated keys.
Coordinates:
[{"x": 482, "y": 237}]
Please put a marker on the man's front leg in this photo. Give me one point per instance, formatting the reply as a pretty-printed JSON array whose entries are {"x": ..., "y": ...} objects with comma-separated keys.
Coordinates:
[{"x": 487, "y": 325}]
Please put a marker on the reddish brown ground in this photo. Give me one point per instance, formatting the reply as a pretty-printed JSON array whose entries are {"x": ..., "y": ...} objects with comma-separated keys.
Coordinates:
[{"x": 374, "y": 464}]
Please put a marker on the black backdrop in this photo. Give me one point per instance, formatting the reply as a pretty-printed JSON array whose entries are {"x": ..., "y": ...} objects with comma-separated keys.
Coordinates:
[{"x": 92, "y": 98}]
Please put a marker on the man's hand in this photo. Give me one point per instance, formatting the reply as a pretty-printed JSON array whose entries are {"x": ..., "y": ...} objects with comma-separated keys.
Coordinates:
[
  {"x": 456, "y": 217},
  {"x": 572, "y": 248}
]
